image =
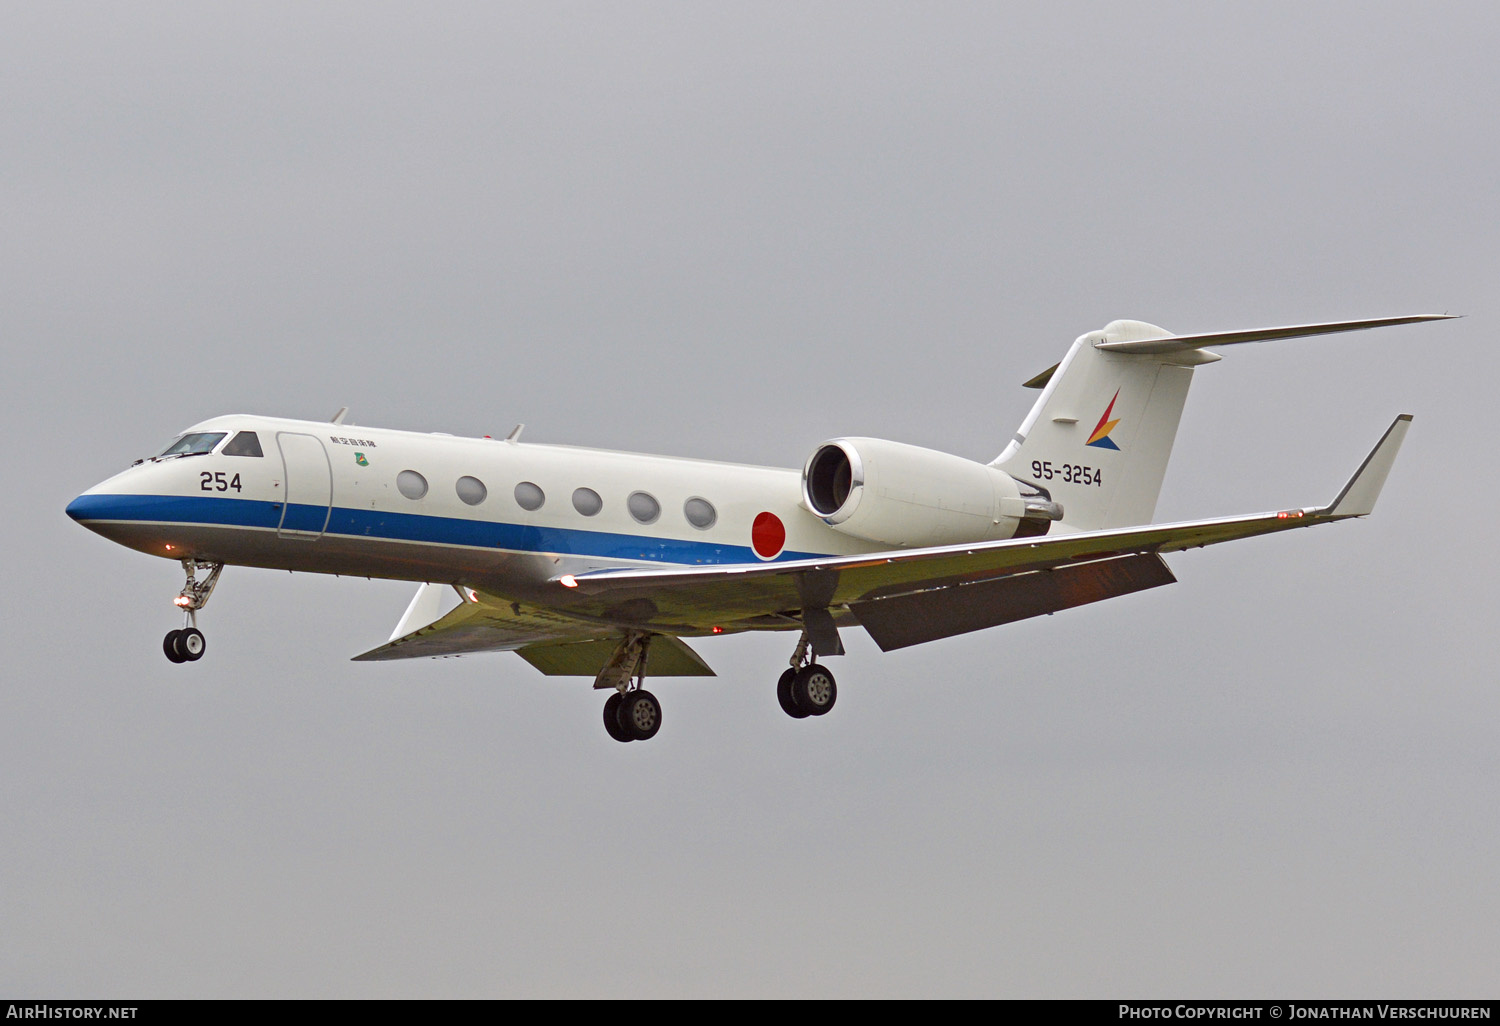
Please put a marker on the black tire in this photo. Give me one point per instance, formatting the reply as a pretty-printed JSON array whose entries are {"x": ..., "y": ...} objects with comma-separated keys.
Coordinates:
[
  {"x": 190, "y": 644},
  {"x": 814, "y": 689},
  {"x": 784, "y": 696},
  {"x": 612, "y": 718},
  {"x": 640, "y": 715},
  {"x": 169, "y": 646}
]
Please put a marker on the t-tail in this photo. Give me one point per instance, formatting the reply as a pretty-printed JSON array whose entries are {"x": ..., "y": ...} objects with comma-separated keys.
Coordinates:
[{"x": 1099, "y": 437}]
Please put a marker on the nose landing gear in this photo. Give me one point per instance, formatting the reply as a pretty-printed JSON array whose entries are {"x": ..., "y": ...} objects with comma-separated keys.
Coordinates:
[
  {"x": 184, "y": 646},
  {"x": 187, "y": 645}
]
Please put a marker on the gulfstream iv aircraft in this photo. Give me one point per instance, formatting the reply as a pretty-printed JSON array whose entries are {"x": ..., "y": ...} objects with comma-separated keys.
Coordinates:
[{"x": 593, "y": 563}]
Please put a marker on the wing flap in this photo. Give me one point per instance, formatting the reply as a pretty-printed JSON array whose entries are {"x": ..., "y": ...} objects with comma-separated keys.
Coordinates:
[
  {"x": 922, "y": 616},
  {"x": 666, "y": 656}
]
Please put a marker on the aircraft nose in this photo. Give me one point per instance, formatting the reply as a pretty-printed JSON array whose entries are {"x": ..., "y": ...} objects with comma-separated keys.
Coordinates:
[
  {"x": 88, "y": 509},
  {"x": 93, "y": 505}
]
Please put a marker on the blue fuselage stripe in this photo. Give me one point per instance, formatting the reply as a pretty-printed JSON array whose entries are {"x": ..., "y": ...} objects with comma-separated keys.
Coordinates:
[{"x": 409, "y": 527}]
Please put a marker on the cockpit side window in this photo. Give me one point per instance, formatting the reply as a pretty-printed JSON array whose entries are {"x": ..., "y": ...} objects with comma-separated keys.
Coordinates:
[
  {"x": 246, "y": 443},
  {"x": 194, "y": 444}
]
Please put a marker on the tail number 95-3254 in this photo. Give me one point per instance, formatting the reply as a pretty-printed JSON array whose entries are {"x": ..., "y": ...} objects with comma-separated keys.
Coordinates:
[{"x": 1071, "y": 473}]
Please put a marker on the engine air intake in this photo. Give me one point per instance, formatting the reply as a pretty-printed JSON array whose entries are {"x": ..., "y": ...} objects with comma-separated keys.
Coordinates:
[{"x": 831, "y": 476}]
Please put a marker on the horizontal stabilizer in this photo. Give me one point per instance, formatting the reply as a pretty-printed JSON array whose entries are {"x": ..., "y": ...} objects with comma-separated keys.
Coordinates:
[{"x": 1182, "y": 343}]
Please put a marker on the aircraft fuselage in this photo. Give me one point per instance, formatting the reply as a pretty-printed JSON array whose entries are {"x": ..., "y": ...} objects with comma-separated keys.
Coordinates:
[{"x": 371, "y": 502}]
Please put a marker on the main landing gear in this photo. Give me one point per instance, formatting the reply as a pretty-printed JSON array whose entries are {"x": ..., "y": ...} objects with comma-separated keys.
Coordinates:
[
  {"x": 807, "y": 689},
  {"x": 188, "y": 645},
  {"x": 632, "y": 713}
]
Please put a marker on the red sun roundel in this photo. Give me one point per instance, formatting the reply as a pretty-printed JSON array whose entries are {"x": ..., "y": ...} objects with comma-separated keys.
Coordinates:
[{"x": 767, "y": 535}]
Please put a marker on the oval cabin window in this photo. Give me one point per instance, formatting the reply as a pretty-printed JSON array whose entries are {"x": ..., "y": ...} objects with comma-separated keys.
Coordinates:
[
  {"x": 643, "y": 507},
  {"x": 471, "y": 490},
  {"x": 411, "y": 484},
  {"x": 529, "y": 496},
  {"x": 700, "y": 513},
  {"x": 587, "y": 501}
]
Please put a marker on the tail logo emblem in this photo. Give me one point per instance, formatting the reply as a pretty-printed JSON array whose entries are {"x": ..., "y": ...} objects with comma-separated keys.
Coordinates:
[{"x": 1100, "y": 438}]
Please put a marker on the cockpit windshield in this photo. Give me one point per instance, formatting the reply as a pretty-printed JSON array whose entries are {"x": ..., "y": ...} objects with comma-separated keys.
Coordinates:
[
  {"x": 246, "y": 443},
  {"x": 194, "y": 444}
]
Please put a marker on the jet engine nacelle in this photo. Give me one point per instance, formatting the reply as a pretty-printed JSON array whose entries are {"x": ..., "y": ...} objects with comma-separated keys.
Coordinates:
[{"x": 907, "y": 496}]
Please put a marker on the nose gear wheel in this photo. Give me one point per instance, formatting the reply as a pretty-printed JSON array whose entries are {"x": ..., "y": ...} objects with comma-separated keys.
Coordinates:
[{"x": 188, "y": 644}]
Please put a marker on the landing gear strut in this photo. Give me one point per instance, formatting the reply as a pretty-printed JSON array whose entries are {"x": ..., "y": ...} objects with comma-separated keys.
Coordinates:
[
  {"x": 807, "y": 689},
  {"x": 632, "y": 713},
  {"x": 187, "y": 645}
]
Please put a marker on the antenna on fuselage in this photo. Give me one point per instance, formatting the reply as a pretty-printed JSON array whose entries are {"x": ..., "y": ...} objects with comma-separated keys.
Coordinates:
[
  {"x": 338, "y": 418},
  {"x": 515, "y": 433}
]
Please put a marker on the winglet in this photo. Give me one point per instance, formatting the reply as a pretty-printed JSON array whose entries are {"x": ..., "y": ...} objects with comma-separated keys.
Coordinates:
[{"x": 1359, "y": 495}]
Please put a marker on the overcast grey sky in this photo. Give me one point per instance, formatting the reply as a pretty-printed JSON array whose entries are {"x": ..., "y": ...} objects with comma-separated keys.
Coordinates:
[{"x": 733, "y": 231}]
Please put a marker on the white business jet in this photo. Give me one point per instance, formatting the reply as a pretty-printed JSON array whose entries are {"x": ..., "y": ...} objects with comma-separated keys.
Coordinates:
[{"x": 594, "y": 563}]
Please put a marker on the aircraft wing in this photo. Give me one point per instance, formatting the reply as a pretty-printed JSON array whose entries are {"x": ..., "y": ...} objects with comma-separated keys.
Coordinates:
[
  {"x": 481, "y": 623},
  {"x": 886, "y": 591},
  {"x": 901, "y": 597},
  {"x": 556, "y": 644}
]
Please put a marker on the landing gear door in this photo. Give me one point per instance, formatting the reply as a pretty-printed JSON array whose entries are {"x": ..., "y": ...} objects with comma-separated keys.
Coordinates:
[{"x": 308, "y": 499}]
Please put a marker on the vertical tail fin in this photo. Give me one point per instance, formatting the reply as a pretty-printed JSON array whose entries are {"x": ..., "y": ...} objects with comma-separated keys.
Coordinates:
[{"x": 1099, "y": 437}]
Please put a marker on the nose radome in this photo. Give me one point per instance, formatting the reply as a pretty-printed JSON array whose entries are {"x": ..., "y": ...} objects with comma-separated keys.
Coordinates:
[
  {"x": 78, "y": 508},
  {"x": 114, "y": 498},
  {"x": 96, "y": 505}
]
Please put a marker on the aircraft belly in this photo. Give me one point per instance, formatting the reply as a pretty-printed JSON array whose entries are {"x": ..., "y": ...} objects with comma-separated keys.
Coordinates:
[
  {"x": 331, "y": 554},
  {"x": 514, "y": 560}
]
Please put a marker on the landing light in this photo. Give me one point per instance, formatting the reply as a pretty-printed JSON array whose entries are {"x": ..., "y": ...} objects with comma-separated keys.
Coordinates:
[
  {"x": 1289, "y": 514},
  {"x": 568, "y": 581},
  {"x": 182, "y": 601}
]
